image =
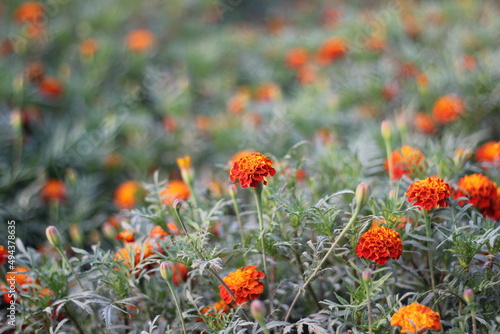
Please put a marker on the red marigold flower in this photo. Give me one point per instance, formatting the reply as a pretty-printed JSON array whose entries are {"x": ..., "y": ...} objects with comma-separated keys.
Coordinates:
[
  {"x": 140, "y": 40},
  {"x": 481, "y": 191},
  {"x": 494, "y": 210},
  {"x": 51, "y": 87},
  {"x": 429, "y": 193},
  {"x": 416, "y": 318},
  {"x": 31, "y": 11},
  {"x": 424, "y": 123},
  {"x": 53, "y": 190},
  {"x": 251, "y": 169},
  {"x": 244, "y": 284},
  {"x": 447, "y": 109},
  {"x": 489, "y": 153},
  {"x": 379, "y": 244},
  {"x": 406, "y": 161},
  {"x": 126, "y": 236}
]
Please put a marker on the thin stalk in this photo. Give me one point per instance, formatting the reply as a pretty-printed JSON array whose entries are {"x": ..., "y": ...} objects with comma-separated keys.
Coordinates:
[
  {"x": 429, "y": 251},
  {"x": 390, "y": 162},
  {"x": 369, "y": 304},
  {"x": 258, "y": 201},
  {"x": 318, "y": 267},
  {"x": 473, "y": 318},
  {"x": 70, "y": 316},
  {"x": 65, "y": 259},
  {"x": 177, "y": 306},
  {"x": 238, "y": 218}
]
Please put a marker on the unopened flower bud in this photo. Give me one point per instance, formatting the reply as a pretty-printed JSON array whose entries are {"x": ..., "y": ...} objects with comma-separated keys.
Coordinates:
[
  {"x": 177, "y": 204},
  {"x": 468, "y": 295},
  {"x": 53, "y": 236},
  {"x": 258, "y": 310},
  {"x": 16, "y": 120},
  {"x": 385, "y": 128},
  {"x": 366, "y": 275},
  {"x": 166, "y": 270},
  {"x": 362, "y": 194},
  {"x": 75, "y": 234},
  {"x": 232, "y": 190}
]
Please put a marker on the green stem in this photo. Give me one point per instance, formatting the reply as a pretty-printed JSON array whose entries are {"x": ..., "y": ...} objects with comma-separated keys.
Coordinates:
[
  {"x": 72, "y": 318},
  {"x": 258, "y": 201},
  {"x": 318, "y": 267},
  {"x": 65, "y": 259},
  {"x": 262, "y": 324},
  {"x": 369, "y": 304},
  {"x": 240, "y": 223},
  {"x": 429, "y": 251},
  {"x": 473, "y": 318},
  {"x": 390, "y": 162},
  {"x": 177, "y": 306}
]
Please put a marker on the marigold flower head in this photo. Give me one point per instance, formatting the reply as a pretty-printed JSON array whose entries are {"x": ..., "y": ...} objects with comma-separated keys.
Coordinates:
[
  {"x": 215, "y": 309},
  {"x": 126, "y": 236},
  {"x": 127, "y": 194},
  {"x": 331, "y": 50},
  {"x": 251, "y": 169},
  {"x": 22, "y": 276},
  {"x": 481, "y": 191},
  {"x": 267, "y": 92},
  {"x": 489, "y": 153},
  {"x": 379, "y": 244},
  {"x": 429, "y": 193},
  {"x": 30, "y": 11},
  {"x": 53, "y": 191},
  {"x": 175, "y": 189},
  {"x": 239, "y": 101},
  {"x": 140, "y": 40},
  {"x": 447, "y": 109},
  {"x": 130, "y": 255},
  {"x": 306, "y": 74},
  {"x": 51, "y": 87},
  {"x": 296, "y": 57},
  {"x": 416, "y": 318},
  {"x": 88, "y": 47},
  {"x": 244, "y": 284},
  {"x": 405, "y": 161},
  {"x": 424, "y": 123},
  {"x": 4, "y": 253}
]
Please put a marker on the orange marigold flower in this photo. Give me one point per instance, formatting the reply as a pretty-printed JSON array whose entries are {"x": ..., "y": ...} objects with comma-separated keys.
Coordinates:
[
  {"x": 489, "y": 153},
  {"x": 89, "y": 47},
  {"x": 51, "y": 87},
  {"x": 140, "y": 40},
  {"x": 407, "y": 160},
  {"x": 494, "y": 210},
  {"x": 239, "y": 101},
  {"x": 21, "y": 276},
  {"x": 175, "y": 189},
  {"x": 416, "y": 318},
  {"x": 379, "y": 244},
  {"x": 127, "y": 194},
  {"x": 124, "y": 255},
  {"x": 251, "y": 169},
  {"x": 306, "y": 74},
  {"x": 331, "y": 50},
  {"x": 481, "y": 191},
  {"x": 424, "y": 123},
  {"x": 400, "y": 224},
  {"x": 429, "y": 193},
  {"x": 296, "y": 57},
  {"x": 180, "y": 273},
  {"x": 215, "y": 309},
  {"x": 447, "y": 109},
  {"x": 4, "y": 253},
  {"x": 244, "y": 284},
  {"x": 53, "y": 191},
  {"x": 31, "y": 11},
  {"x": 126, "y": 236},
  {"x": 268, "y": 91}
]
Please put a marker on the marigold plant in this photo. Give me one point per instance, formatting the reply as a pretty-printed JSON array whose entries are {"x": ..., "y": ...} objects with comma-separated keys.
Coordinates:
[
  {"x": 480, "y": 190},
  {"x": 244, "y": 284},
  {"x": 406, "y": 161},
  {"x": 429, "y": 193},
  {"x": 251, "y": 169},
  {"x": 416, "y": 318},
  {"x": 379, "y": 244}
]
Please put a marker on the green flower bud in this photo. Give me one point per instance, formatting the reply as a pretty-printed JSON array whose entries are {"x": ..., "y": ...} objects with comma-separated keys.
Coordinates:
[
  {"x": 362, "y": 194},
  {"x": 53, "y": 236}
]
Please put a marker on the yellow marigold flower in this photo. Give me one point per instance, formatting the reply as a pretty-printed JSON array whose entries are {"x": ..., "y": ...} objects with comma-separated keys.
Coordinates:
[
  {"x": 481, "y": 191},
  {"x": 416, "y": 318},
  {"x": 244, "y": 284},
  {"x": 429, "y": 193},
  {"x": 184, "y": 162},
  {"x": 379, "y": 244},
  {"x": 251, "y": 169}
]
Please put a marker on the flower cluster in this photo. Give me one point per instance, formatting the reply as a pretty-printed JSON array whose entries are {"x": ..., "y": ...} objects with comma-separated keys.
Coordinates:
[
  {"x": 244, "y": 284},
  {"x": 379, "y": 244},
  {"x": 416, "y": 318},
  {"x": 481, "y": 192},
  {"x": 405, "y": 161},
  {"x": 429, "y": 193},
  {"x": 251, "y": 169}
]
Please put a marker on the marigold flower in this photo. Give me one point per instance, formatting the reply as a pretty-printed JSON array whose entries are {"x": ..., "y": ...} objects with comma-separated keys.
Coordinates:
[
  {"x": 175, "y": 189},
  {"x": 244, "y": 284},
  {"x": 296, "y": 57},
  {"x": 416, "y": 318},
  {"x": 30, "y": 11},
  {"x": 379, "y": 244},
  {"x": 53, "y": 191},
  {"x": 51, "y": 87},
  {"x": 306, "y": 74},
  {"x": 124, "y": 254},
  {"x": 140, "y": 40},
  {"x": 267, "y": 92},
  {"x": 127, "y": 194},
  {"x": 7, "y": 294},
  {"x": 238, "y": 102},
  {"x": 489, "y": 153},
  {"x": 180, "y": 273},
  {"x": 126, "y": 236},
  {"x": 251, "y": 169},
  {"x": 331, "y": 50},
  {"x": 21, "y": 276},
  {"x": 429, "y": 193},
  {"x": 481, "y": 191},
  {"x": 406, "y": 161},
  {"x": 424, "y": 123},
  {"x": 447, "y": 109},
  {"x": 214, "y": 310},
  {"x": 184, "y": 165},
  {"x": 4, "y": 253},
  {"x": 88, "y": 47}
]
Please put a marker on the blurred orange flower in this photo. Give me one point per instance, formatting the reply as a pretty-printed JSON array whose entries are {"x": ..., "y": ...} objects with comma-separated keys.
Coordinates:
[
  {"x": 214, "y": 310},
  {"x": 127, "y": 194},
  {"x": 180, "y": 273},
  {"x": 124, "y": 255},
  {"x": 424, "y": 123},
  {"x": 267, "y": 92},
  {"x": 53, "y": 191},
  {"x": 416, "y": 318},
  {"x": 383, "y": 223},
  {"x": 244, "y": 284},
  {"x": 34, "y": 71},
  {"x": 379, "y": 244},
  {"x": 251, "y": 169},
  {"x": 239, "y": 101},
  {"x": 429, "y": 193},
  {"x": 489, "y": 153},
  {"x": 30, "y": 11},
  {"x": 447, "y": 109},
  {"x": 296, "y": 57},
  {"x": 332, "y": 49},
  {"x": 22, "y": 276},
  {"x": 88, "y": 47},
  {"x": 469, "y": 62},
  {"x": 406, "y": 161},
  {"x": 4, "y": 253},
  {"x": 140, "y": 40},
  {"x": 481, "y": 191},
  {"x": 175, "y": 189},
  {"x": 51, "y": 87},
  {"x": 306, "y": 74},
  {"x": 126, "y": 236}
]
